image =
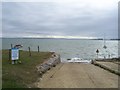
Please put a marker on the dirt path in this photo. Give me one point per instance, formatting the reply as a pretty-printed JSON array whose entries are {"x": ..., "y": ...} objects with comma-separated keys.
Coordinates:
[{"x": 75, "y": 75}]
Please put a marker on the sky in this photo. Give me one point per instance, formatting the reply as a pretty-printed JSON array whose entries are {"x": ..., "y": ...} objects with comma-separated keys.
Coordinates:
[{"x": 60, "y": 19}]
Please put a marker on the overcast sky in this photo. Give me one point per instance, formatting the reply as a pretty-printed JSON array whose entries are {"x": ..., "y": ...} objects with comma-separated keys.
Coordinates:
[{"x": 56, "y": 18}]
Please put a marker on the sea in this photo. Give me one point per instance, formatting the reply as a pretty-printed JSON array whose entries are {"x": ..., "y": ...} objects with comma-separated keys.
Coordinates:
[{"x": 67, "y": 48}]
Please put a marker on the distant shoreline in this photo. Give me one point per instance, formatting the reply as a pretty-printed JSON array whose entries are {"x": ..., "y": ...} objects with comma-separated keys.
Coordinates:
[{"x": 55, "y": 38}]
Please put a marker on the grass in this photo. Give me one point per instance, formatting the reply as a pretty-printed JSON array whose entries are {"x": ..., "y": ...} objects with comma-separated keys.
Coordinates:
[{"x": 21, "y": 75}]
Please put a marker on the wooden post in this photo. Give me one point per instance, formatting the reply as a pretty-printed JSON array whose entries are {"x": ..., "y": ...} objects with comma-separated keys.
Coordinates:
[
  {"x": 9, "y": 54},
  {"x": 29, "y": 51},
  {"x": 38, "y": 49}
]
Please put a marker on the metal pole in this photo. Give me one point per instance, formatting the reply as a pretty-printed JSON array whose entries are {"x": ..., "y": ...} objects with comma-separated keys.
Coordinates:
[
  {"x": 97, "y": 51},
  {"x": 97, "y": 55}
]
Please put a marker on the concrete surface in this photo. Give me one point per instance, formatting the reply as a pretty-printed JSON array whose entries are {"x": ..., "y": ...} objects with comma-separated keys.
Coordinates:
[
  {"x": 78, "y": 75},
  {"x": 110, "y": 65}
]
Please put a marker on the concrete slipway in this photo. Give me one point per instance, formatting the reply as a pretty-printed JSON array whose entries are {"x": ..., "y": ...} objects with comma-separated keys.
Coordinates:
[{"x": 78, "y": 75}]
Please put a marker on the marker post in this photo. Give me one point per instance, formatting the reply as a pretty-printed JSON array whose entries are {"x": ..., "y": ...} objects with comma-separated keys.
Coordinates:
[{"x": 97, "y": 51}]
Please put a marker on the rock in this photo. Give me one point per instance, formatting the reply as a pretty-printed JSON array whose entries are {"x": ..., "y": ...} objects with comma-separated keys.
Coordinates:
[{"x": 47, "y": 65}]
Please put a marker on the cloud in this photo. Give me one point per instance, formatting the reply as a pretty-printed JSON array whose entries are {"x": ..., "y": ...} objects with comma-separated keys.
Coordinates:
[{"x": 55, "y": 18}]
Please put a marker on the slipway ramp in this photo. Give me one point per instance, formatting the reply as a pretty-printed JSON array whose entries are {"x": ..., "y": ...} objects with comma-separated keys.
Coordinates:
[{"x": 78, "y": 75}]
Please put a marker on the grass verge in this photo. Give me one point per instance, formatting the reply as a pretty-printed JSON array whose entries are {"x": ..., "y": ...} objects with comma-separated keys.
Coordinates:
[{"x": 21, "y": 75}]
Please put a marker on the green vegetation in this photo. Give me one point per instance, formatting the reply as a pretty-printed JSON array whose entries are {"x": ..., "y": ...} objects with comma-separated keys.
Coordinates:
[{"x": 24, "y": 74}]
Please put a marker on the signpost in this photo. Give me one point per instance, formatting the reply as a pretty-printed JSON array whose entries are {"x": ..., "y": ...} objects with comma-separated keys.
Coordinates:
[
  {"x": 14, "y": 55},
  {"x": 97, "y": 51}
]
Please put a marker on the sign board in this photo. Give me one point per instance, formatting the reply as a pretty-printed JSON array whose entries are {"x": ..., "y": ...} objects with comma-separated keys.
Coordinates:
[{"x": 14, "y": 53}]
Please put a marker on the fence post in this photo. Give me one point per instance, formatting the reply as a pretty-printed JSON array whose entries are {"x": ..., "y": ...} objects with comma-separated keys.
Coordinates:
[
  {"x": 29, "y": 51},
  {"x": 38, "y": 49}
]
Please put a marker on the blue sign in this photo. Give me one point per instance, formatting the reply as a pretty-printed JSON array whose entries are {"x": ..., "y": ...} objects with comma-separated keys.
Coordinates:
[{"x": 14, "y": 53}]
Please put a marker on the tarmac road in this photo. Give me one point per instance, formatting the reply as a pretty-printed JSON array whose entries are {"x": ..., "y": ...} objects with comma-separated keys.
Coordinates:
[{"x": 78, "y": 75}]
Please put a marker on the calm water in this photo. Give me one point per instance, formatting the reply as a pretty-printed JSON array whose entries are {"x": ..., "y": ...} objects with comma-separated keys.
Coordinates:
[{"x": 67, "y": 48}]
